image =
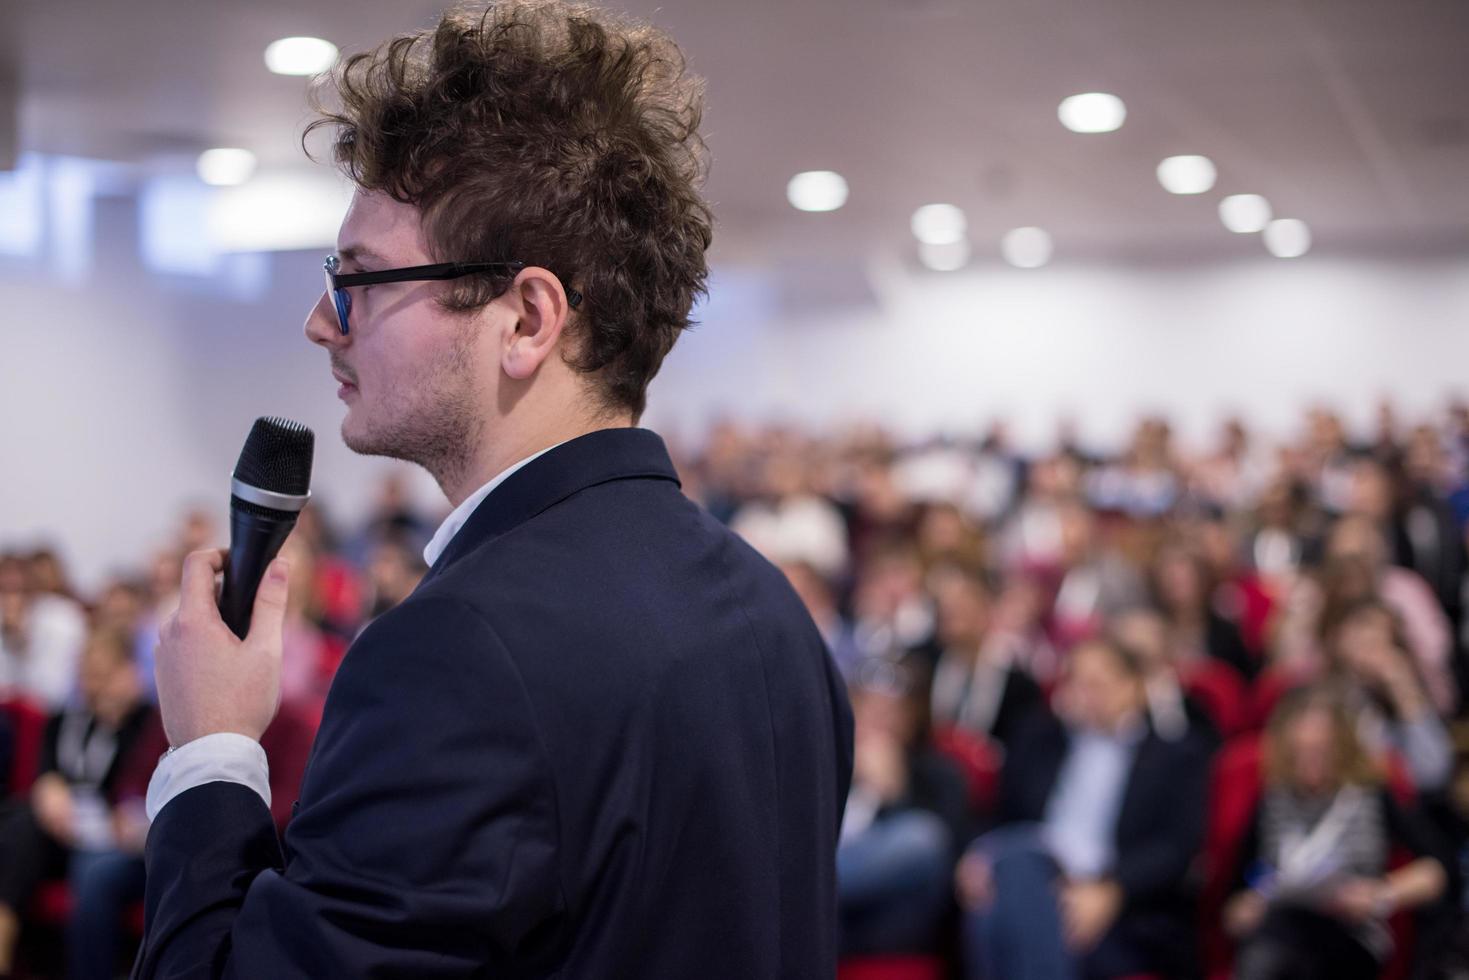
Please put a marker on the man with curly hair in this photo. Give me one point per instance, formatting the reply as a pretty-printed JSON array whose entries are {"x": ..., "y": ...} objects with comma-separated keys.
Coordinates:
[{"x": 602, "y": 738}]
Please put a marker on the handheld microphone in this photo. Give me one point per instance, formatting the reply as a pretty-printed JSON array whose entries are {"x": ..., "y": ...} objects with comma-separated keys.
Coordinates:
[{"x": 270, "y": 485}]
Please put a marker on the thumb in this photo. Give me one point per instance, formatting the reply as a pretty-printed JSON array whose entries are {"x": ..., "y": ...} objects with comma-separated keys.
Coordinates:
[{"x": 269, "y": 616}]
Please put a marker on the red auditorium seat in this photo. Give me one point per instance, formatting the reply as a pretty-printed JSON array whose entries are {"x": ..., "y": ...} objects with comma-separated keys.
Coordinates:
[
  {"x": 978, "y": 760},
  {"x": 1218, "y": 689},
  {"x": 29, "y": 723},
  {"x": 892, "y": 968},
  {"x": 1269, "y": 687}
]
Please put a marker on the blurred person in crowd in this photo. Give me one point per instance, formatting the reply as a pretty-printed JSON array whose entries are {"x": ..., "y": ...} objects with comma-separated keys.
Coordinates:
[
  {"x": 1407, "y": 497},
  {"x": 998, "y": 472},
  {"x": 1456, "y": 461},
  {"x": 121, "y": 605},
  {"x": 1285, "y": 534},
  {"x": 725, "y": 471},
  {"x": 302, "y": 677},
  {"x": 877, "y": 508},
  {"x": 198, "y": 529},
  {"x": 394, "y": 570},
  {"x": 891, "y": 609},
  {"x": 1095, "y": 580},
  {"x": 71, "y": 821},
  {"x": 1181, "y": 581},
  {"x": 1314, "y": 890},
  {"x": 393, "y": 514},
  {"x": 976, "y": 685},
  {"x": 945, "y": 536},
  {"x": 1387, "y": 430},
  {"x": 791, "y": 523},
  {"x": 1241, "y": 594},
  {"x": 42, "y": 635},
  {"x": 1144, "y": 482},
  {"x": 1101, "y": 818},
  {"x": 1328, "y": 459},
  {"x": 905, "y": 818},
  {"x": 819, "y": 598},
  {"x": 1173, "y": 713},
  {"x": 337, "y": 597},
  {"x": 46, "y": 575},
  {"x": 937, "y": 470},
  {"x": 1385, "y": 692},
  {"x": 7, "y": 750},
  {"x": 1356, "y": 568},
  {"x": 1235, "y": 474},
  {"x": 163, "y": 588},
  {"x": 1032, "y": 537},
  {"x": 1020, "y": 628}
]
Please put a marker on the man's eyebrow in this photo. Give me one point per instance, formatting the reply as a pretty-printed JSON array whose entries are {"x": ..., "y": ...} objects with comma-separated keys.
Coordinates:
[{"x": 356, "y": 253}]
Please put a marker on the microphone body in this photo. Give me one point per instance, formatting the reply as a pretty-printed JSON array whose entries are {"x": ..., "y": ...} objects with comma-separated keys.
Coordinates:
[
  {"x": 256, "y": 536},
  {"x": 267, "y": 492}
]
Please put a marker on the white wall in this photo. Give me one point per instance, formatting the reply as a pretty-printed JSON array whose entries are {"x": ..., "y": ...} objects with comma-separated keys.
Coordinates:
[
  {"x": 127, "y": 397},
  {"x": 1100, "y": 344}
]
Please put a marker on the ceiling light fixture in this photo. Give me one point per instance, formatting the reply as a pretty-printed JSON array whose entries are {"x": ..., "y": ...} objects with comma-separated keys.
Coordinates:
[
  {"x": 939, "y": 224},
  {"x": 300, "y": 56},
  {"x": 817, "y": 190},
  {"x": 1287, "y": 238},
  {"x": 1092, "y": 112},
  {"x": 1187, "y": 174},
  {"x": 1244, "y": 213},
  {"x": 1027, "y": 248},
  {"x": 225, "y": 166}
]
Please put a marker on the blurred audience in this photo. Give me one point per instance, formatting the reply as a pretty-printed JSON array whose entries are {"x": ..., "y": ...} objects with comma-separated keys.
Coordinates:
[{"x": 1057, "y": 648}]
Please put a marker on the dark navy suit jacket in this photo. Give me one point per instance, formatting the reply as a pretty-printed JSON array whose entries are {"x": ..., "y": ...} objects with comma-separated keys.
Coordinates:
[{"x": 602, "y": 739}]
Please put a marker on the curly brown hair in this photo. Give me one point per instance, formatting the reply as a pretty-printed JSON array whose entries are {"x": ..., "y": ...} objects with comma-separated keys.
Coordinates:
[{"x": 552, "y": 134}]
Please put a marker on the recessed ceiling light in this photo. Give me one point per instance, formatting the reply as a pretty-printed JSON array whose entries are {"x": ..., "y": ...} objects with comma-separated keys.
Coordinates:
[
  {"x": 300, "y": 56},
  {"x": 938, "y": 224},
  {"x": 1287, "y": 238},
  {"x": 1092, "y": 112},
  {"x": 1187, "y": 174},
  {"x": 1027, "y": 248},
  {"x": 1244, "y": 213},
  {"x": 944, "y": 257},
  {"x": 817, "y": 190},
  {"x": 225, "y": 166}
]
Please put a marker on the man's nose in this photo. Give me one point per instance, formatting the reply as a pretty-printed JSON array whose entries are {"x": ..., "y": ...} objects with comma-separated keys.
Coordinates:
[{"x": 322, "y": 327}]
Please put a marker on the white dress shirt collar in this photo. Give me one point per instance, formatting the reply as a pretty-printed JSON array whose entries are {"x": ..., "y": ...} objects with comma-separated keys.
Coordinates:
[{"x": 460, "y": 515}]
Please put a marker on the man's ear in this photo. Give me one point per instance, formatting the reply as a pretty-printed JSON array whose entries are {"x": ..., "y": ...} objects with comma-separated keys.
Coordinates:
[{"x": 538, "y": 301}]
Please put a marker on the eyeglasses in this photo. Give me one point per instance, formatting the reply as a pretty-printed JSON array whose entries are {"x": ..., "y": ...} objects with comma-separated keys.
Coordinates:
[{"x": 337, "y": 283}]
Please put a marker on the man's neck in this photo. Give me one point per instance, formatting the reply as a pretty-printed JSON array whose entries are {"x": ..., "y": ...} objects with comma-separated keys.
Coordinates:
[{"x": 502, "y": 453}]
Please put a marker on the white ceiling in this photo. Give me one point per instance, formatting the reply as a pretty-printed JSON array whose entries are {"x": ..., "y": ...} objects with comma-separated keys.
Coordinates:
[{"x": 1350, "y": 114}]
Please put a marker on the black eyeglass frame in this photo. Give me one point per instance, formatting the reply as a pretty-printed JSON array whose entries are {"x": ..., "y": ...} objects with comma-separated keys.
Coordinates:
[{"x": 337, "y": 283}]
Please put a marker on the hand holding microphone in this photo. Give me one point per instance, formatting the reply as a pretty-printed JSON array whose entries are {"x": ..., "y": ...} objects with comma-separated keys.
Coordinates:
[{"x": 218, "y": 662}]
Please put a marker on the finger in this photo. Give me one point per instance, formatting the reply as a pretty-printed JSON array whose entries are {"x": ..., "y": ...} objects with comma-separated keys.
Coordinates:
[
  {"x": 267, "y": 622},
  {"x": 196, "y": 591}
]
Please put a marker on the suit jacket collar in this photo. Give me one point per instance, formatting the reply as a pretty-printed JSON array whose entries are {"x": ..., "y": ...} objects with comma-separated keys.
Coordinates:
[{"x": 597, "y": 457}]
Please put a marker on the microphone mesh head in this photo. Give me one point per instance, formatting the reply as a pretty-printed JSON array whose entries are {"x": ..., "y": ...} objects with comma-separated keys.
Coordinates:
[{"x": 277, "y": 456}]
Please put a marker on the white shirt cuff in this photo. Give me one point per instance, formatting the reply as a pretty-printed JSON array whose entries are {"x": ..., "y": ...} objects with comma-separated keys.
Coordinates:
[{"x": 224, "y": 757}]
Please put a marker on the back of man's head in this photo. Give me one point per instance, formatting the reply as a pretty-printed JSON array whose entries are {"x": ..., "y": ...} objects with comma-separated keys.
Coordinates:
[{"x": 550, "y": 134}]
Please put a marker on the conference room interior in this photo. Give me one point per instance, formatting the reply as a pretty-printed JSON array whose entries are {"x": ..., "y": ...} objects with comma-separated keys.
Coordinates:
[{"x": 1069, "y": 358}]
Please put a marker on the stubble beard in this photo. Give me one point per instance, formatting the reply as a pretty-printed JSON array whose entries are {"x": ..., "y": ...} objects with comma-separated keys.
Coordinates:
[{"x": 430, "y": 420}]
